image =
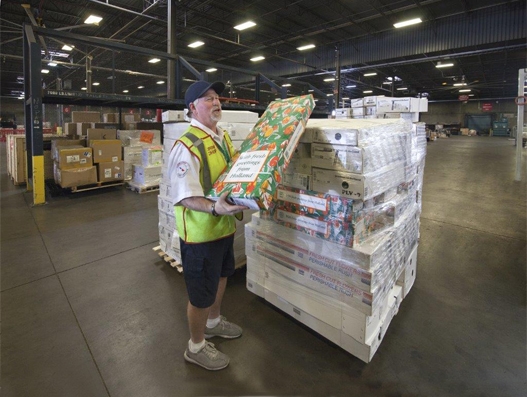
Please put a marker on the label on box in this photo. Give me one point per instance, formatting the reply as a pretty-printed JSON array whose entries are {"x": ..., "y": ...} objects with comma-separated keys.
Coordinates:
[
  {"x": 146, "y": 136},
  {"x": 108, "y": 173},
  {"x": 73, "y": 159},
  {"x": 303, "y": 221},
  {"x": 318, "y": 203},
  {"x": 247, "y": 167},
  {"x": 115, "y": 158}
]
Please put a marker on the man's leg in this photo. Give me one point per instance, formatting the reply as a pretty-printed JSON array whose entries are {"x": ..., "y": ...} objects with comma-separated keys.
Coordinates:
[
  {"x": 215, "y": 309},
  {"x": 197, "y": 320}
]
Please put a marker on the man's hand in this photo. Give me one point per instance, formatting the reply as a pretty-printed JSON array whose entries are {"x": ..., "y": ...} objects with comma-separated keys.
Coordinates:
[{"x": 225, "y": 207}]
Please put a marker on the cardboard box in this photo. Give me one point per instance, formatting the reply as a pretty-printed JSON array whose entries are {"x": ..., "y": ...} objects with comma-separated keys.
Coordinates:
[
  {"x": 75, "y": 176},
  {"x": 139, "y": 137},
  {"x": 237, "y": 131},
  {"x": 357, "y": 103},
  {"x": 74, "y": 157},
  {"x": 407, "y": 278},
  {"x": 110, "y": 118},
  {"x": 172, "y": 115},
  {"x": 132, "y": 155},
  {"x": 70, "y": 129},
  {"x": 152, "y": 155},
  {"x": 108, "y": 126},
  {"x": 85, "y": 117},
  {"x": 56, "y": 144},
  {"x": 337, "y": 157},
  {"x": 343, "y": 112},
  {"x": 253, "y": 176},
  {"x": 146, "y": 176},
  {"x": 100, "y": 134},
  {"x": 108, "y": 172},
  {"x": 174, "y": 130},
  {"x": 106, "y": 150}
]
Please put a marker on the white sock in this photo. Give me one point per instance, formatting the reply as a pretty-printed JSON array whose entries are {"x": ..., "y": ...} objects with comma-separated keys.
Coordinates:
[
  {"x": 195, "y": 347},
  {"x": 212, "y": 323}
]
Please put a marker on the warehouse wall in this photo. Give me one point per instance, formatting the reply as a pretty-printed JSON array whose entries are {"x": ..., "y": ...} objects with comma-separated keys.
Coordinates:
[{"x": 454, "y": 112}]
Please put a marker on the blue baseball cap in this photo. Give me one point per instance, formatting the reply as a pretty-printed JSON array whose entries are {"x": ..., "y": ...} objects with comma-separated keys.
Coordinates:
[{"x": 197, "y": 89}]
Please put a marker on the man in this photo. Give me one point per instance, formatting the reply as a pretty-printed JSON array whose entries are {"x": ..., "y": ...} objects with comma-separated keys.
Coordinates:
[{"x": 206, "y": 228}]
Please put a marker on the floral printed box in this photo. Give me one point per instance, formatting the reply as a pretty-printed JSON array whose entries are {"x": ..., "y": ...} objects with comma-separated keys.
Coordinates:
[{"x": 252, "y": 178}]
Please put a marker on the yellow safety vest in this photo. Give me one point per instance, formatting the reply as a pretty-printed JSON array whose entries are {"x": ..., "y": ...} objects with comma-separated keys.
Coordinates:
[{"x": 197, "y": 226}]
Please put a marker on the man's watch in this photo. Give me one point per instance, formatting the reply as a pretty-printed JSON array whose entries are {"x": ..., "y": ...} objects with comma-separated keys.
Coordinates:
[{"x": 213, "y": 209}]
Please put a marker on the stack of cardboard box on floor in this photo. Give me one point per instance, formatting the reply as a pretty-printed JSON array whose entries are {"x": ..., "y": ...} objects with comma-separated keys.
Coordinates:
[
  {"x": 110, "y": 154},
  {"x": 338, "y": 249},
  {"x": 382, "y": 107},
  {"x": 239, "y": 125}
]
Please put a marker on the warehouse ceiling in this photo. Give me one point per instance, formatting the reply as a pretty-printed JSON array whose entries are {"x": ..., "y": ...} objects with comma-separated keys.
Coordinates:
[{"x": 484, "y": 40}]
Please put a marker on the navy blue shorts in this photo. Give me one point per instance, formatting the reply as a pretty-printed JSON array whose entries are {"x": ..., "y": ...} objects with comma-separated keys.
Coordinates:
[{"x": 203, "y": 265}]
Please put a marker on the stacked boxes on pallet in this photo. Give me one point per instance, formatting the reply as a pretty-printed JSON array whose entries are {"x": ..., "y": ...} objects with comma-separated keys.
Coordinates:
[
  {"x": 382, "y": 107},
  {"x": 338, "y": 251},
  {"x": 238, "y": 124}
]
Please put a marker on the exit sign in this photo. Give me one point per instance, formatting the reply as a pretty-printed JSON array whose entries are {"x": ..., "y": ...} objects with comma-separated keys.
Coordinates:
[{"x": 486, "y": 107}]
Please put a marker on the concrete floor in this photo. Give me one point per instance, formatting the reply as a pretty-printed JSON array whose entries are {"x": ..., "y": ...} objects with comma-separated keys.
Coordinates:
[{"x": 89, "y": 309}]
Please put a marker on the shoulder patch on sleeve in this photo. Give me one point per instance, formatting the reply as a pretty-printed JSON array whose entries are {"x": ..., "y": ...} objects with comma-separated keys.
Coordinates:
[{"x": 182, "y": 168}]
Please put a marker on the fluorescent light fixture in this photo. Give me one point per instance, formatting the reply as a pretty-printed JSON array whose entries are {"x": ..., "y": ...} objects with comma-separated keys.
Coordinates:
[
  {"x": 140, "y": 87},
  {"x": 160, "y": 82},
  {"x": 331, "y": 79},
  {"x": 52, "y": 64},
  {"x": 44, "y": 71},
  {"x": 286, "y": 85},
  {"x": 125, "y": 91},
  {"x": 66, "y": 47},
  {"x": 305, "y": 47},
  {"x": 467, "y": 90},
  {"x": 329, "y": 94},
  {"x": 210, "y": 70},
  {"x": 154, "y": 60},
  {"x": 387, "y": 82},
  {"x": 351, "y": 86},
  {"x": 407, "y": 23},
  {"x": 444, "y": 65},
  {"x": 367, "y": 92},
  {"x": 83, "y": 88},
  {"x": 345, "y": 98},
  {"x": 310, "y": 90},
  {"x": 402, "y": 89},
  {"x": 96, "y": 83},
  {"x": 93, "y": 20},
  {"x": 245, "y": 25},
  {"x": 196, "y": 44},
  {"x": 258, "y": 58},
  {"x": 459, "y": 84},
  {"x": 470, "y": 94},
  {"x": 370, "y": 74}
]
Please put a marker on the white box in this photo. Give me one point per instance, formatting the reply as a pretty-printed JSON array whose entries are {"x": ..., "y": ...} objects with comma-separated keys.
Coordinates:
[
  {"x": 239, "y": 116},
  {"x": 152, "y": 155},
  {"x": 172, "y": 115},
  {"x": 146, "y": 176},
  {"x": 131, "y": 155},
  {"x": 370, "y": 100},
  {"x": 407, "y": 278},
  {"x": 164, "y": 204},
  {"x": 336, "y": 157},
  {"x": 343, "y": 112},
  {"x": 423, "y": 105},
  {"x": 357, "y": 111},
  {"x": 384, "y": 104},
  {"x": 357, "y": 103},
  {"x": 237, "y": 131},
  {"x": 174, "y": 130},
  {"x": 296, "y": 180}
]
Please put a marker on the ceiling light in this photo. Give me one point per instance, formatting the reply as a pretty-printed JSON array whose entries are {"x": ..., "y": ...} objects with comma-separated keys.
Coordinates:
[
  {"x": 407, "y": 23},
  {"x": 459, "y": 84},
  {"x": 387, "y": 82},
  {"x": 305, "y": 47},
  {"x": 245, "y": 25},
  {"x": 125, "y": 91},
  {"x": 154, "y": 60},
  {"x": 367, "y": 92},
  {"x": 196, "y": 44},
  {"x": 370, "y": 74},
  {"x": 210, "y": 70},
  {"x": 140, "y": 87},
  {"x": 402, "y": 89},
  {"x": 331, "y": 79},
  {"x": 286, "y": 85},
  {"x": 444, "y": 83},
  {"x": 83, "y": 88},
  {"x": 351, "y": 86},
  {"x": 95, "y": 83},
  {"x": 160, "y": 82},
  {"x": 52, "y": 64},
  {"x": 470, "y": 94},
  {"x": 45, "y": 71},
  {"x": 66, "y": 47},
  {"x": 444, "y": 65},
  {"x": 467, "y": 90},
  {"x": 329, "y": 94},
  {"x": 258, "y": 58},
  {"x": 93, "y": 20},
  {"x": 346, "y": 97},
  {"x": 310, "y": 90},
  {"x": 21, "y": 97}
]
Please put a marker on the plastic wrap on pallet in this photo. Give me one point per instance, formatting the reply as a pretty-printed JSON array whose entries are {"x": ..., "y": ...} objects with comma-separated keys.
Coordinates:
[
  {"x": 355, "y": 132},
  {"x": 146, "y": 176},
  {"x": 356, "y": 186},
  {"x": 418, "y": 142}
]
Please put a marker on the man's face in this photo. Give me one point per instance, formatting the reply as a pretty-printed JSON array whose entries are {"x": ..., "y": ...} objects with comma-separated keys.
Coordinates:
[{"x": 207, "y": 108}]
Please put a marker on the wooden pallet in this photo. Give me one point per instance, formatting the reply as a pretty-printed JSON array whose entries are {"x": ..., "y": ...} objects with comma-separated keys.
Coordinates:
[
  {"x": 168, "y": 259},
  {"x": 141, "y": 189},
  {"x": 98, "y": 185}
]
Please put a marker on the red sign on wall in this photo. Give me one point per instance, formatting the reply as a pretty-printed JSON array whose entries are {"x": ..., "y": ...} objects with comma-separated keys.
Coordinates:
[
  {"x": 463, "y": 97},
  {"x": 486, "y": 107}
]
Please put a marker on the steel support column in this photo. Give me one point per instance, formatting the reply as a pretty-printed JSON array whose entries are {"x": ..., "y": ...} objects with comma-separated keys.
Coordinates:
[
  {"x": 522, "y": 82},
  {"x": 33, "y": 116}
]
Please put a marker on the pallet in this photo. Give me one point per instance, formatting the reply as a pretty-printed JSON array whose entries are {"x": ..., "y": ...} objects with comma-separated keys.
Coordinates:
[
  {"x": 141, "y": 189},
  {"x": 98, "y": 185},
  {"x": 168, "y": 259}
]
